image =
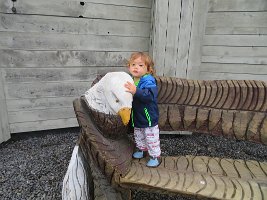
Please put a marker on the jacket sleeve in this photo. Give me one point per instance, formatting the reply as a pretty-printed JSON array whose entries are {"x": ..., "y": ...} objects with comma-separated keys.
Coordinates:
[{"x": 146, "y": 94}]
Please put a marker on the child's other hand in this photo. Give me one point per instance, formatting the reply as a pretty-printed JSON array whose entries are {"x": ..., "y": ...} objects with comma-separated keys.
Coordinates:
[{"x": 130, "y": 87}]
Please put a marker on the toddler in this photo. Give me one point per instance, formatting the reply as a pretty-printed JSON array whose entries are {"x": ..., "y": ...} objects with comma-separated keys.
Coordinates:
[{"x": 144, "y": 108}]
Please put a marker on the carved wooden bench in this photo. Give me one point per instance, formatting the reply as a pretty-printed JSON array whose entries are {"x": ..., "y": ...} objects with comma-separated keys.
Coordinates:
[{"x": 235, "y": 109}]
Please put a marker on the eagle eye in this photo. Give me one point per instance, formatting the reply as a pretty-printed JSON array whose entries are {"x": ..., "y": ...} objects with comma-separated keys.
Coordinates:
[{"x": 117, "y": 100}]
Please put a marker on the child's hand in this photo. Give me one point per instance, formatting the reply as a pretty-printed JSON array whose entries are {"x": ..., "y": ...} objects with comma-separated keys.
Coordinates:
[{"x": 130, "y": 87}]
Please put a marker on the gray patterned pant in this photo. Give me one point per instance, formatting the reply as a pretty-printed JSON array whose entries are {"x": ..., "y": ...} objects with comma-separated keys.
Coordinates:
[{"x": 147, "y": 139}]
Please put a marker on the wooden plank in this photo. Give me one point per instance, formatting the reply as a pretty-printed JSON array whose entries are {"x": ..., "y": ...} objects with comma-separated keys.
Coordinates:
[
  {"x": 237, "y": 5},
  {"x": 234, "y": 68},
  {"x": 39, "y": 41},
  {"x": 139, "y": 3},
  {"x": 237, "y": 19},
  {"x": 173, "y": 29},
  {"x": 43, "y": 125},
  {"x": 234, "y": 51},
  {"x": 40, "y": 115},
  {"x": 159, "y": 38},
  {"x": 68, "y": 25},
  {"x": 32, "y": 75},
  {"x": 46, "y": 89},
  {"x": 152, "y": 36},
  {"x": 76, "y": 9},
  {"x": 4, "y": 123},
  {"x": 236, "y": 30},
  {"x": 236, "y": 40},
  {"x": 39, "y": 103},
  {"x": 236, "y": 76},
  {"x": 61, "y": 58},
  {"x": 5, "y": 6},
  {"x": 184, "y": 38},
  {"x": 240, "y": 59},
  {"x": 196, "y": 40}
]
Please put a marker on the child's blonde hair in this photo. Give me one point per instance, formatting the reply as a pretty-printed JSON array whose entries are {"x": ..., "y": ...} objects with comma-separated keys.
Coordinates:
[{"x": 146, "y": 59}]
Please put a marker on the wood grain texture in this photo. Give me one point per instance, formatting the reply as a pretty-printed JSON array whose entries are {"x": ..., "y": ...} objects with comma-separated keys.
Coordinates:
[
  {"x": 237, "y": 19},
  {"x": 222, "y": 94},
  {"x": 49, "y": 89},
  {"x": 51, "y": 50},
  {"x": 33, "y": 75},
  {"x": 68, "y": 25},
  {"x": 4, "y": 123},
  {"x": 184, "y": 40},
  {"x": 177, "y": 29},
  {"x": 196, "y": 41},
  {"x": 173, "y": 33},
  {"x": 237, "y": 5},
  {"x": 76, "y": 175},
  {"x": 236, "y": 30},
  {"x": 233, "y": 108},
  {"x": 204, "y": 75},
  {"x": 61, "y": 58},
  {"x": 42, "y": 125},
  {"x": 39, "y": 103},
  {"x": 75, "y": 9},
  {"x": 200, "y": 176},
  {"x": 234, "y": 41},
  {"x": 40, "y": 115},
  {"x": 39, "y": 41},
  {"x": 234, "y": 68}
]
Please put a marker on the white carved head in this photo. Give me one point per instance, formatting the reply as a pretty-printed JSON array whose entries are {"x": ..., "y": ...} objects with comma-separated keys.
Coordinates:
[{"x": 109, "y": 95}]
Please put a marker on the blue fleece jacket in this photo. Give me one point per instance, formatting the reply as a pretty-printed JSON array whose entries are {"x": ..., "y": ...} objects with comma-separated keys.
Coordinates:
[{"x": 145, "y": 111}]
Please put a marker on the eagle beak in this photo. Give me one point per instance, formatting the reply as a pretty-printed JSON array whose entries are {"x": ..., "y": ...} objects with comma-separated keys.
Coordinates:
[{"x": 125, "y": 114}]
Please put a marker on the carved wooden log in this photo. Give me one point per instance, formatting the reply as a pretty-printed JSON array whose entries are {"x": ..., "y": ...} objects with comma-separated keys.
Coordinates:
[
  {"x": 242, "y": 125},
  {"x": 235, "y": 109},
  {"x": 243, "y": 95}
]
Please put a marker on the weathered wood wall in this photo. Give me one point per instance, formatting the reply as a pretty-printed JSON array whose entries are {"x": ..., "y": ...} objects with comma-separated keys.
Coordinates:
[
  {"x": 235, "y": 40},
  {"x": 210, "y": 39},
  {"x": 50, "y": 51}
]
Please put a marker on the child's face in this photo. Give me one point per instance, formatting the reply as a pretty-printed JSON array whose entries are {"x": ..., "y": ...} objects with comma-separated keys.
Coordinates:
[{"x": 138, "y": 68}]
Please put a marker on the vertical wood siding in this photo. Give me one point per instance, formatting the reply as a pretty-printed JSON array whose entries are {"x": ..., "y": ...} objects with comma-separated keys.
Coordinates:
[
  {"x": 177, "y": 32},
  {"x": 235, "y": 41},
  {"x": 51, "y": 51}
]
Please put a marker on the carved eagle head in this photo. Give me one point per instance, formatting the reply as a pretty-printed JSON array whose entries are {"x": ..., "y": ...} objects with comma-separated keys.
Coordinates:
[{"x": 109, "y": 96}]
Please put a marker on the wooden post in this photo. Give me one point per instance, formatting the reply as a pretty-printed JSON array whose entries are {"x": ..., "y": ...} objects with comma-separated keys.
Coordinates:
[
  {"x": 196, "y": 40},
  {"x": 4, "y": 125}
]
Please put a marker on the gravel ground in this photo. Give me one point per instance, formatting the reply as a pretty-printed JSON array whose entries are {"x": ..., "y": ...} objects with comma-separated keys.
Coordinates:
[{"x": 33, "y": 165}]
